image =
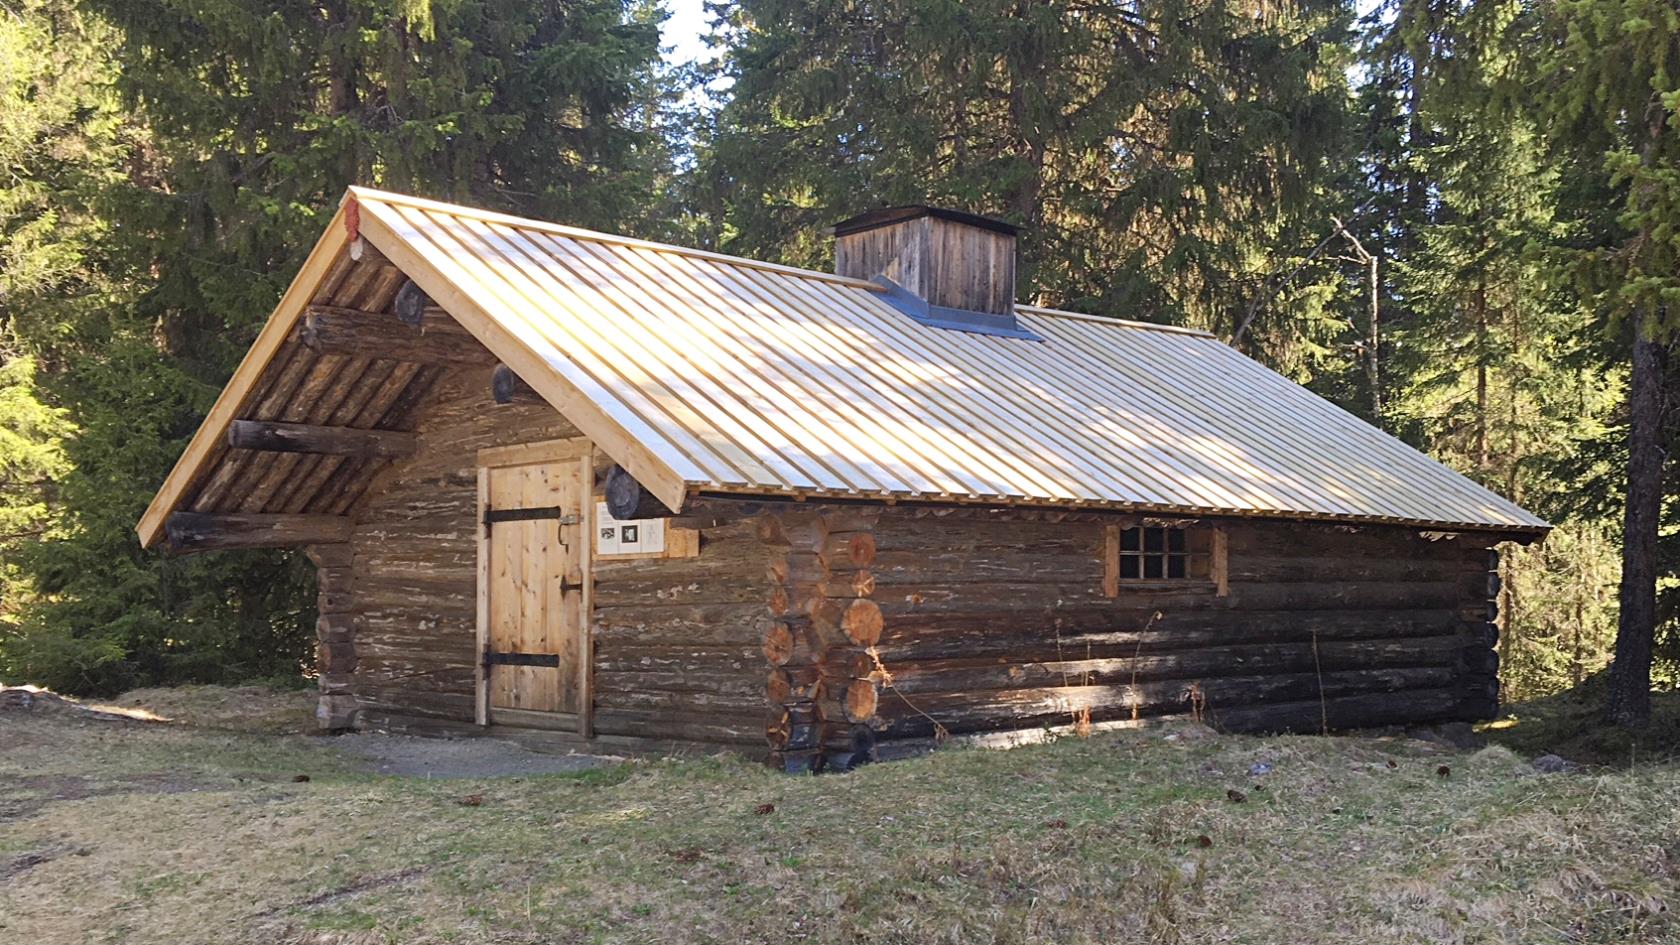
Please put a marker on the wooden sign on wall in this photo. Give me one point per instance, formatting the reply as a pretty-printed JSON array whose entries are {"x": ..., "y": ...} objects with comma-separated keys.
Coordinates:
[{"x": 641, "y": 538}]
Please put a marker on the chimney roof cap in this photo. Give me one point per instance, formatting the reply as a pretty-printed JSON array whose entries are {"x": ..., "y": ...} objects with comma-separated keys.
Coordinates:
[{"x": 887, "y": 216}]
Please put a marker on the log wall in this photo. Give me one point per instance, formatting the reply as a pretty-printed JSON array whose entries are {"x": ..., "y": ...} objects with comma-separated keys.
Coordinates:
[
  {"x": 416, "y": 555},
  {"x": 857, "y": 624},
  {"x": 996, "y": 620},
  {"x": 675, "y": 641}
]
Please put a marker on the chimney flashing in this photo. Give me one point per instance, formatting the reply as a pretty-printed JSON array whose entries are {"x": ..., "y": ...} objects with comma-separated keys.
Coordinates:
[{"x": 922, "y": 312}]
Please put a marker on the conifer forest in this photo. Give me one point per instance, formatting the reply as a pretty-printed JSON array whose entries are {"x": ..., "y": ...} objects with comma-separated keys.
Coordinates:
[{"x": 1457, "y": 219}]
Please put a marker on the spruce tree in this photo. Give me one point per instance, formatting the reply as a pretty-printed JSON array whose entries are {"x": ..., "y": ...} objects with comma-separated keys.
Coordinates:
[
  {"x": 250, "y": 119},
  {"x": 1161, "y": 158},
  {"x": 1608, "y": 80}
]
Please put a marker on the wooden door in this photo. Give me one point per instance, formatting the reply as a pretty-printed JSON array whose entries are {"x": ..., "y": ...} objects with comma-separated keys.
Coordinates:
[{"x": 533, "y": 560}]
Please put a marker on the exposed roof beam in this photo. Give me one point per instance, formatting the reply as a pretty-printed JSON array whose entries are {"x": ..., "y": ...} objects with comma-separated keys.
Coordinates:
[
  {"x": 194, "y": 461},
  {"x": 277, "y": 437},
  {"x": 331, "y": 330},
  {"x": 188, "y": 532}
]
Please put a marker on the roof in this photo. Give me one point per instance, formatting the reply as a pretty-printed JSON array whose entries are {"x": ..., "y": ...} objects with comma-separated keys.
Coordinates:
[{"x": 705, "y": 373}]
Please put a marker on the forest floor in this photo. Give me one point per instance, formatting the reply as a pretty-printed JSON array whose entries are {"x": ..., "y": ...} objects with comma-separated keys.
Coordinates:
[{"x": 144, "y": 824}]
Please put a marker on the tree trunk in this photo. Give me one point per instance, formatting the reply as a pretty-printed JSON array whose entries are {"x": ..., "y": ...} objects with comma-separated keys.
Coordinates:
[
  {"x": 1482, "y": 379},
  {"x": 1373, "y": 341},
  {"x": 1630, "y": 673}
]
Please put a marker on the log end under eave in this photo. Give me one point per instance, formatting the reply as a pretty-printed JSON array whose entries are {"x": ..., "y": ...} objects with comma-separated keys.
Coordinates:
[
  {"x": 628, "y": 499},
  {"x": 506, "y": 387},
  {"x": 190, "y": 532}
]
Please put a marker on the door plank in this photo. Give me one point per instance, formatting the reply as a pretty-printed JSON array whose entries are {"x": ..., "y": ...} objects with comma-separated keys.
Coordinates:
[{"x": 535, "y": 570}]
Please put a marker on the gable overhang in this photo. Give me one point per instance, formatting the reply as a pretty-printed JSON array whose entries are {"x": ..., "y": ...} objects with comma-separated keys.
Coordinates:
[
  {"x": 385, "y": 232},
  {"x": 449, "y": 287},
  {"x": 236, "y": 394}
]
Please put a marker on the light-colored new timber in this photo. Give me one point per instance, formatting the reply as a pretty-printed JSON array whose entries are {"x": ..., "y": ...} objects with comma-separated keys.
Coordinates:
[
  {"x": 547, "y": 451},
  {"x": 535, "y": 584}
]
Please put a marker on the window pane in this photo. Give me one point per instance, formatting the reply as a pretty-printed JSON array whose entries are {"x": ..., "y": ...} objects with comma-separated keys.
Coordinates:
[
  {"x": 1152, "y": 566},
  {"x": 1175, "y": 540},
  {"x": 1129, "y": 540},
  {"x": 1154, "y": 539},
  {"x": 1129, "y": 566},
  {"x": 1175, "y": 566}
]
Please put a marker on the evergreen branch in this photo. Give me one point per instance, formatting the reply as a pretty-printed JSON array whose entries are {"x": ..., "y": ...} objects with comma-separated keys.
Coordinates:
[{"x": 1259, "y": 301}]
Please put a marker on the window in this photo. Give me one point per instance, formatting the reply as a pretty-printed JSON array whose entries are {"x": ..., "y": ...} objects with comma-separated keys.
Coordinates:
[{"x": 1147, "y": 554}]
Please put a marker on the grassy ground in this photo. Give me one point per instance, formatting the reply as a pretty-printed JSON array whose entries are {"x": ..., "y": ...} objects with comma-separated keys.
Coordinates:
[
  {"x": 1570, "y": 724},
  {"x": 128, "y": 831}
]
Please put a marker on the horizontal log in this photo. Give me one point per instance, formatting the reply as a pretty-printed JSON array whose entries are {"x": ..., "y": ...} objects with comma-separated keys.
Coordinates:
[
  {"x": 998, "y": 598},
  {"x": 796, "y": 682},
  {"x": 1083, "y": 633},
  {"x": 276, "y": 437},
  {"x": 329, "y": 330},
  {"x": 1411, "y": 707},
  {"x": 666, "y": 688},
  {"x": 1021, "y": 670},
  {"x": 900, "y": 715},
  {"x": 964, "y": 565},
  {"x": 738, "y": 624},
  {"x": 741, "y": 728},
  {"x": 848, "y": 550},
  {"x": 188, "y": 532}
]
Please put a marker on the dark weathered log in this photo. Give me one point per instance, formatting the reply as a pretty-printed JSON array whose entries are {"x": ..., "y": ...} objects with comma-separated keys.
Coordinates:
[
  {"x": 1083, "y": 634},
  {"x": 1340, "y": 712},
  {"x": 507, "y": 387},
  {"x": 804, "y": 530},
  {"x": 629, "y": 499},
  {"x": 808, "y": 761},
  {"x": 794, "y": 682},
  {"x": 898, "y": 715},
  {"x": 704, "y": 623},
  {"x": 798, "y": 567},
  {"x": 357, "y": 334},
  {"x": 792, "y": 726},
  {"x": 196, "y": 531},
  {"x": 274, "y": 436},
  {"x": 411, "y": 304},
  {"x": 846, "y": 748},
  {"x": 733, "y": 728},
  {"x": 1019, "y": 670}
]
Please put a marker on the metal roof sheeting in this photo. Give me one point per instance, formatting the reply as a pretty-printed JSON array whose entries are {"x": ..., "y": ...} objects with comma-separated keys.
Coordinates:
[{"x": 742, "y": 376}]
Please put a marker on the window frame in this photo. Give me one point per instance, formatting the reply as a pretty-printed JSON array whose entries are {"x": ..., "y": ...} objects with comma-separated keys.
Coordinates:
[{"x": 1144, "y": 556}]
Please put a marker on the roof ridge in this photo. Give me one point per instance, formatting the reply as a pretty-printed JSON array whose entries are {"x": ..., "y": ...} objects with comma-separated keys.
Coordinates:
[
  {"x": 1119, "y": 322},
  {"x": 576, "y": 232}
]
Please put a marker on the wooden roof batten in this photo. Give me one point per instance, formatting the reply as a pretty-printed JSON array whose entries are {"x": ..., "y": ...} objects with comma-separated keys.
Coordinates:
[{"x": 700, "y": 373}]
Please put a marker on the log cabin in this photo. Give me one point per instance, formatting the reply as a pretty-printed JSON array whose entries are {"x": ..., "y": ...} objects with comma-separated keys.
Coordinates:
[{"x": 571, "y": 486}]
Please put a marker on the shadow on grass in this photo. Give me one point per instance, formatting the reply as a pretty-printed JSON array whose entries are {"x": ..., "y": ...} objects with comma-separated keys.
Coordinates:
[{"x": 1571, "y": 724}]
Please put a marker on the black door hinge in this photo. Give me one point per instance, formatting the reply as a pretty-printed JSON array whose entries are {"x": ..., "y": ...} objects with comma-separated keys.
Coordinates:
[
  {"x": 493, "y": 658},
  {"x": 492, "y": 516}
]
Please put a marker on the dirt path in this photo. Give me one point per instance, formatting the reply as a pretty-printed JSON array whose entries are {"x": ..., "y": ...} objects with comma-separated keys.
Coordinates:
[{"x": 456, "y": 758}]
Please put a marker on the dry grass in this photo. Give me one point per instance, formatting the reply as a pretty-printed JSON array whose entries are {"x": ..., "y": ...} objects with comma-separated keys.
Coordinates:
[
  {"x": 1572, "y": 724},
  {"x": 133, "y": 832}
]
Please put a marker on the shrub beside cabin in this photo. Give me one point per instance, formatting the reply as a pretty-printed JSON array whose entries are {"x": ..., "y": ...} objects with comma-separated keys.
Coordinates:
[{"x": 639, "y": 495}]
